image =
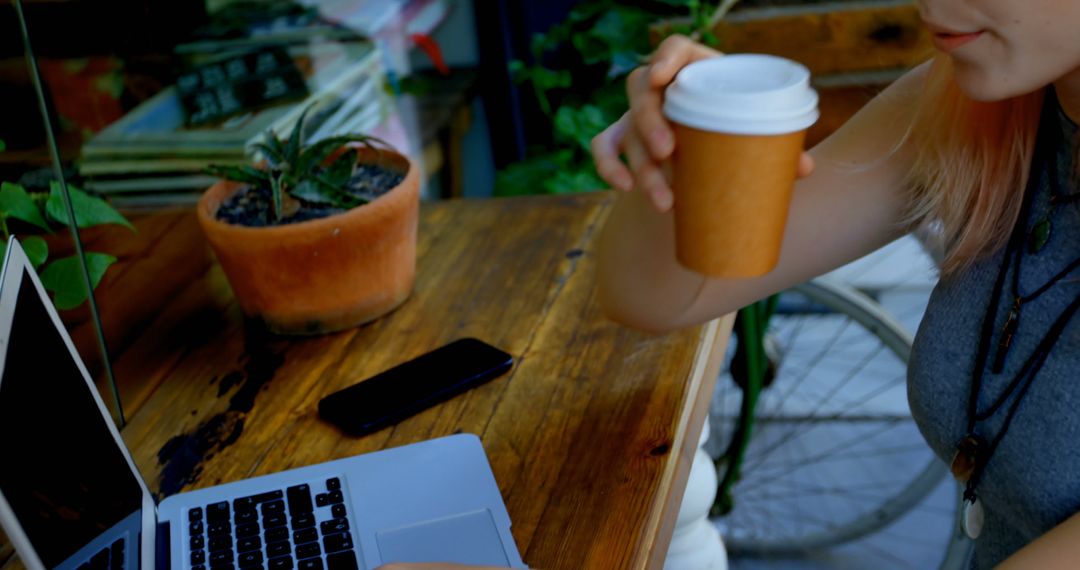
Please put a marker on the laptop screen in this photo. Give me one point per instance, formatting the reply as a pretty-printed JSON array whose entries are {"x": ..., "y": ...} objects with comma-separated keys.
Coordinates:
[{"x": 64, "y": 476}]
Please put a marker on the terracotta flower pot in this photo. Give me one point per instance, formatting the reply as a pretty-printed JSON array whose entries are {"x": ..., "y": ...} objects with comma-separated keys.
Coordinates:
[{"x": 326, "y": 274}]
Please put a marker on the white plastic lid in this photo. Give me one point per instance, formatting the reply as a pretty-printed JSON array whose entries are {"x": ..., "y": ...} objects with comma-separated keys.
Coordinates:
[{"x": 744, "y": 94}]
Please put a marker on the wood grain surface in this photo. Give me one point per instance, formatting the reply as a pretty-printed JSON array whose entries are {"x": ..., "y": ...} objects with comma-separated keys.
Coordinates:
[{"x": 590, "y": 435}]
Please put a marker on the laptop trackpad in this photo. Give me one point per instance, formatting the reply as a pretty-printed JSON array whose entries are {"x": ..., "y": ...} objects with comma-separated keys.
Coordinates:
[{"x": 469, "y": 538}]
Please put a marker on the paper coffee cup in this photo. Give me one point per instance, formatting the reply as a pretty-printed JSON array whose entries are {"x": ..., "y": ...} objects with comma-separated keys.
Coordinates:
[{"x": 740, "y": 122}]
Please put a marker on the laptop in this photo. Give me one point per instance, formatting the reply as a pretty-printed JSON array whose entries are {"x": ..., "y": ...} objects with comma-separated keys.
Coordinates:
[{"x": 71, "y": 497}]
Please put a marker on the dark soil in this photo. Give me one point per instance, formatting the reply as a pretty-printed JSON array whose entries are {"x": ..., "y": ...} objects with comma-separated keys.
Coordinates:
[{"x": 254, "y": 207}]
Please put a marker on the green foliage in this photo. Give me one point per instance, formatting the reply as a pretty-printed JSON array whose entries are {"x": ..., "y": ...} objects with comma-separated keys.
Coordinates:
[
  {"x": 35, "y": 210},
  {"x": 89, "y": 210},
  {"x": 16, "y": 203},
  {"x": 295, "y": 171},
  {"x": 548, "y": 173},
  {"x": 532, "y": 176},
  {"x": 37, "y": 251},
  {"x": 577, "y": 73},
  {"x": 579, "y": 125},
  {"x": 61, "y": 276}
]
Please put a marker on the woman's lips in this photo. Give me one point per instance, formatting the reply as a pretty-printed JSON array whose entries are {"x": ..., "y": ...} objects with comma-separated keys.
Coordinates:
[{"x": 948, "y": 40}]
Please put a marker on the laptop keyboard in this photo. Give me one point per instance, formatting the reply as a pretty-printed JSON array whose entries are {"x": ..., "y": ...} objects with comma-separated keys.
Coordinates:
[
  {"x": 277, "y": 530},
  {"x": 109, "y": 558}
]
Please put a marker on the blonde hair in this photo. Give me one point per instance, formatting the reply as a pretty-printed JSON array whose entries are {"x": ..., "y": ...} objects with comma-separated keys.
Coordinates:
[{"x": 971, "y": 165}]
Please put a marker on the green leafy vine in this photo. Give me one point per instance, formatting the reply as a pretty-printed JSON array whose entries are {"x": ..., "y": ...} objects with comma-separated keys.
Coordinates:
[
  {"x": 577, "y": 76},
  {"x": 37, "y": 212}
]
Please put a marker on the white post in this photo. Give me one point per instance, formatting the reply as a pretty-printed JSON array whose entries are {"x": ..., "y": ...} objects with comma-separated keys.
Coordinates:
[{"x": 695, "y": 543}]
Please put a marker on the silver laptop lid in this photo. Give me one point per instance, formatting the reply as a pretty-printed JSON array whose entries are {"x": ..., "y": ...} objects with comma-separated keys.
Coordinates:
[{"x": 69, "y": 489}]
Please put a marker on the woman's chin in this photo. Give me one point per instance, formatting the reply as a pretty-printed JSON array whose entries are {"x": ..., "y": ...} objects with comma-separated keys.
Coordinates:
[
  {"x": 977, "y": 86},
  {"x": 985, "y": 86}
]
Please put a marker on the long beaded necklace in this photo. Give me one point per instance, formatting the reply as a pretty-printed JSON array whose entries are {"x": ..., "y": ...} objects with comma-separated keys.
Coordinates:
[
  {"x": 1035, "y": 241},
  {"x": 974, "y": 451}
]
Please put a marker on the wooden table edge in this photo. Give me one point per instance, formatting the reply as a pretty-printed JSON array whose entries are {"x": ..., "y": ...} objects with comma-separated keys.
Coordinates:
[{"x": 666, "y": 504}]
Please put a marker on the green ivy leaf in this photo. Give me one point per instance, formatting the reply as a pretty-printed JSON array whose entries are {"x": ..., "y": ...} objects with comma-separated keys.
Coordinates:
[
  {"x": 89, "y": 210},
  {"x": 583, "y": 12},
  {"x": 710, "y": 39},
  {"x": 596, "y": 36},
  {"x": 546, "y": 79},
  {"x": 569, "y": 182},
  {"x": 15, "y": 202},
  {"x": 529, "y": 176},
  {"x": 619, "y": 29},
  {"x": 593, "y": 49},
  {"x": 611, "y": 99},
  {"x": 37, "y": 251},
  {"x": 540, "y": 44},
  {"x": 519, "y": 72},
  {"x": 682, "y": 28},
  {"x": 63, "y": 278},
  {"x": 622, "y": 63},
  {"x": 524, "y": 177},
  {"x": 579, "y": 125}
]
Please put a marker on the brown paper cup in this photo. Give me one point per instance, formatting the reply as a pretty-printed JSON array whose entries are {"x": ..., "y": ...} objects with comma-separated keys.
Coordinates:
[
  {"x": 739, "y": 122},
  {"x": 732, "y": 194}
]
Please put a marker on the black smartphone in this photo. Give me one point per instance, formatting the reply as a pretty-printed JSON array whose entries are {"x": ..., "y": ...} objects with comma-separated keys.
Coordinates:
[{"x": 414, "y": 386}]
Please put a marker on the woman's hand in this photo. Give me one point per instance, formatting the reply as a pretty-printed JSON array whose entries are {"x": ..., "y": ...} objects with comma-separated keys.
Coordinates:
[{"x": 643, "y": 134}]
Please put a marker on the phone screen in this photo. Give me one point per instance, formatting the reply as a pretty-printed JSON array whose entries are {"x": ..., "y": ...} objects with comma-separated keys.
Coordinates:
[{"x": 413, "y": 386}]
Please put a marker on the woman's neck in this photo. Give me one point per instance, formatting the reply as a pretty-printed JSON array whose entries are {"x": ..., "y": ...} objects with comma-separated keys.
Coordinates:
[{"x": 1068, "y": 94}]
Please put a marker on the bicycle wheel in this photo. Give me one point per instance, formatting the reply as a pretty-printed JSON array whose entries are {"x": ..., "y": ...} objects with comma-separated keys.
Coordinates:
[{"x": 835, "y": 454}]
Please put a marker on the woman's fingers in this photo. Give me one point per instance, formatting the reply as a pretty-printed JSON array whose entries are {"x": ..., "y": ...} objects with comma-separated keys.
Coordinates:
[
  {"x": 673, "y": 54},
  {"x": 644, "y": 134},
  {"x": 648, "y": 176},
  {"x": 645, "y": 88},
  {"x": 606, "y": 148},
  {"x": 806, "y": 165},
  {"x": 646, "y": 107}
]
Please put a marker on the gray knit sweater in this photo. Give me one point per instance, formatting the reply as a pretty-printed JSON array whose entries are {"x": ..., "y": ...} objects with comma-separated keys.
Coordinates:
[{"x": 1032, "y": 482}]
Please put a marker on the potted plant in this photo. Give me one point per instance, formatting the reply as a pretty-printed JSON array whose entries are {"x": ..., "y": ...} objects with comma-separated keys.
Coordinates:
[{"x": 320, "y": 237}]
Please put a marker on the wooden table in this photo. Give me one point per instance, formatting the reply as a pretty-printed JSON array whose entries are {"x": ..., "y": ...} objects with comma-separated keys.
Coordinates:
[{"x": 590, "y": 436}]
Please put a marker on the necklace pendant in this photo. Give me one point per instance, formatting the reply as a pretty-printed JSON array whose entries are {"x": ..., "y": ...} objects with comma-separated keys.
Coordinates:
[
  {"x": 966, "y": 457},
  {"x": 1039, "y": 235},
  {"x": 1008, "y": 330},
  {"x": 972, "y": 518}
]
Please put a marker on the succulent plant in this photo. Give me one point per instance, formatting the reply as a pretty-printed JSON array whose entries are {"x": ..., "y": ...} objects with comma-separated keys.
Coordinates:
[{"x": 296, "y": 172}]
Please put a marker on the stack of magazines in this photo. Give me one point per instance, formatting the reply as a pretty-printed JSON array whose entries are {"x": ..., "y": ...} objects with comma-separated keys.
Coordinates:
[{"x": 153, "y": 157}]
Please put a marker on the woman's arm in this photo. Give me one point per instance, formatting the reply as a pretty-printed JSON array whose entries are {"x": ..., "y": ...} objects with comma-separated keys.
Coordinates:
[
  {"x": 1057, "y": 549},
  {"x": 850, "y": 205}
]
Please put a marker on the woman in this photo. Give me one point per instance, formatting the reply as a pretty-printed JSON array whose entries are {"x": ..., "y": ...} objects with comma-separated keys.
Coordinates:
[{"x": 981, "y": 143}]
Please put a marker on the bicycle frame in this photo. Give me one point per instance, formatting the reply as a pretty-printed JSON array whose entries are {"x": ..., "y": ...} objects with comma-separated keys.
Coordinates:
[{"x": 751, "y": 323}]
